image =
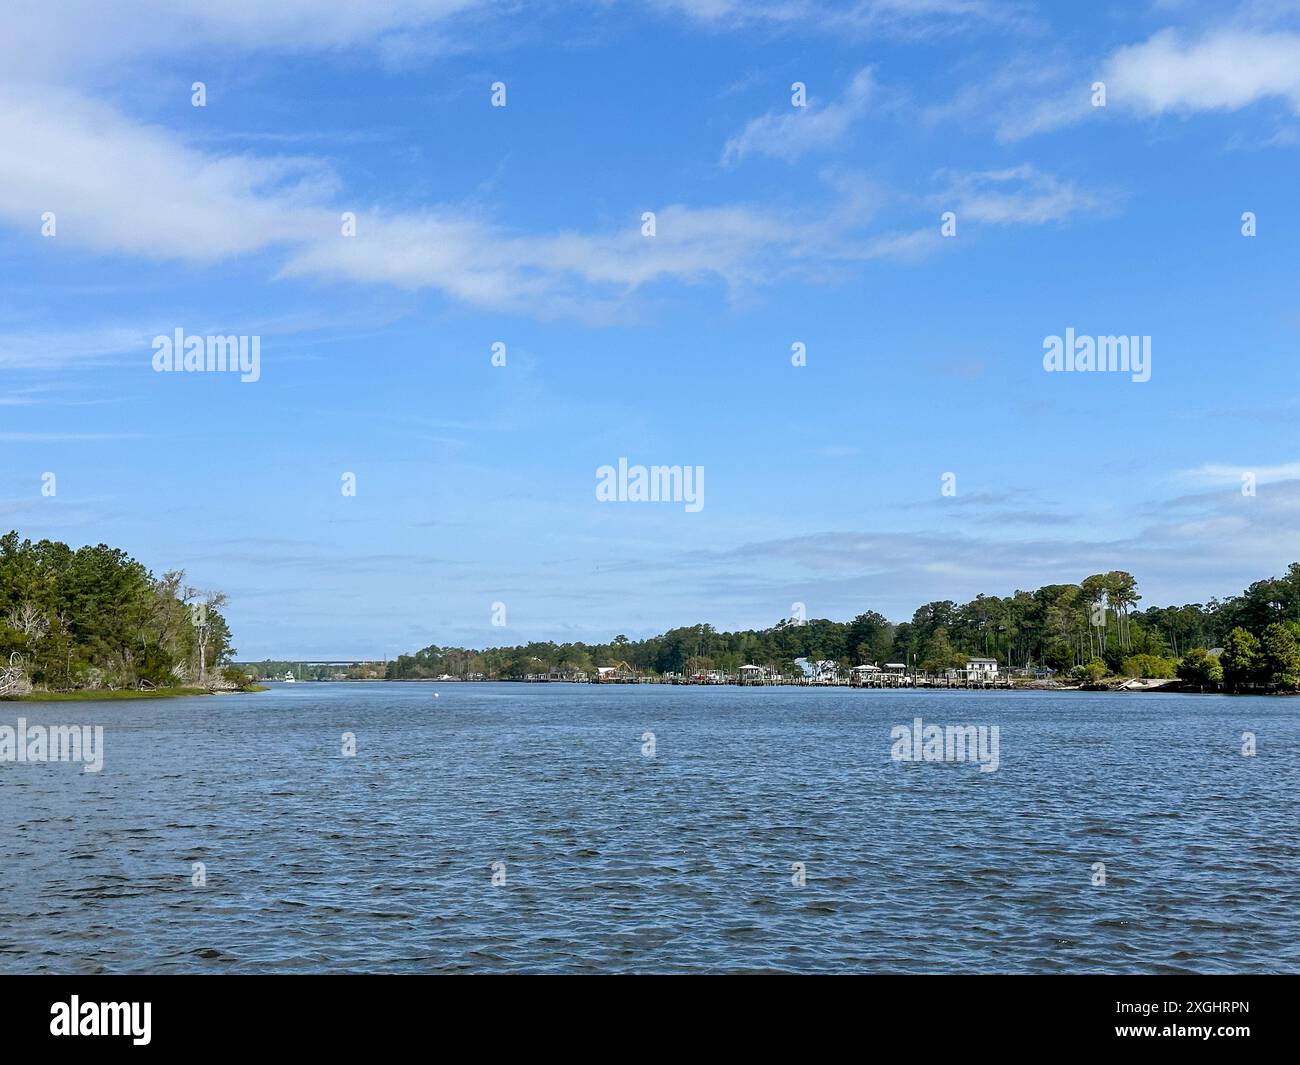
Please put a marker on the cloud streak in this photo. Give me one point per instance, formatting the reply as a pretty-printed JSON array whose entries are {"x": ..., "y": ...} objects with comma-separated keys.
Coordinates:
[
  {"x": 1222, "y": 71},
  {"x": 120, "y": 187},
  {"x": 81, "y": 38},
  {"x": 907, "y": 19},
  {"x": 795, "y": 131},
  {"x": 1020, "y": 195},
  {"x": 1171, "y": 73}
]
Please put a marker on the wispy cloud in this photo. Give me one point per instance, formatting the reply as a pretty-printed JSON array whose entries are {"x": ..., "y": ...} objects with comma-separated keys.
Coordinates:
[
  {"x": 1172, "y": 72},
  {"x": 578, "y": 274},
  {"x": 1022, "y": 195},
  {"x": 793, "y": 131},
  {"x": 45, "y": 438},
  {"x": 1226, "y": 474},
  {"x": 77, "y": 38},
  {"x": 117, "y": 186},
  {"x": 1223, "y": 71},
  {"x": 858, "y": 18},
  {"x": 53, "y": 348},
  {"x": 1234, "y": 540}
]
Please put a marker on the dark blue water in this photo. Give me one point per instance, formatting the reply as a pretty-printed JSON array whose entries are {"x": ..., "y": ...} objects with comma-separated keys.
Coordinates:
[{"x": 615, "y": 861}]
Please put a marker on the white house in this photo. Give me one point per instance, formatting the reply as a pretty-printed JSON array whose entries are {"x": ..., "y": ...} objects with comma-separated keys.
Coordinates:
[
  {"x": 860, "y": 675},
  {"x": 826, "y": 671},
  {"x": 982, "y": 667}
]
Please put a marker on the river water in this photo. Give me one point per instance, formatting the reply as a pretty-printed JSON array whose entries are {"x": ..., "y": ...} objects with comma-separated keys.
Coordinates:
[{"x": 613, "y": 850}]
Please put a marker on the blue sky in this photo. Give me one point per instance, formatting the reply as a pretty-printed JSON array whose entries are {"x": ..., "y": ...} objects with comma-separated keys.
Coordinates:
[{"x": 774, "y": 225}]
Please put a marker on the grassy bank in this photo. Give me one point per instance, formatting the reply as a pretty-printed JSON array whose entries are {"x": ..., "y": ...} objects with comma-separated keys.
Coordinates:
[{"x": 98, "y": 695}]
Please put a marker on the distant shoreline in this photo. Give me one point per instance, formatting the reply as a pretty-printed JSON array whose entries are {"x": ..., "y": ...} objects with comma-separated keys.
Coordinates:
[
  {"x": 1172, "y": 687},
  {"x": 108, "y": 695}
]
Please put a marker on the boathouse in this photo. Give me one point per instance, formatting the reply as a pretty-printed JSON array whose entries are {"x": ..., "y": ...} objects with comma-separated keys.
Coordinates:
[{"x": 861, "y": 676}]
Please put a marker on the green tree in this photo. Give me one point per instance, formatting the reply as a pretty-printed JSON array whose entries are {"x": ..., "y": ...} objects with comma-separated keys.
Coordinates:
[
  {"x": 1201, "y": 668},
  {"x": 869, "y": 638},
  {"x": 96, "y": 617},
  {"x": 1241, "y": 659},
  {"x": 1280, "y": 654},
  {"x": 1092, "y": 672},
  {"x": 1121, "y": 594},
  {"x": 1151, "y": 666},
  {"x": 940, "y": 653}
]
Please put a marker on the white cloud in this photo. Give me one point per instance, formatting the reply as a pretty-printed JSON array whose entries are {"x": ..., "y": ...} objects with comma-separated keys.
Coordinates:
[
  {"x": 581, "y": 274},
  {"x": 121, "y": 187},
  {"x": 1225, "y": 70},
  {"x": 789, "y": 133},
  {"x": 1215, "y": 473},
  {"x": 75, "y": 38},
  {"x": 1046, "y": 114},
  {"x": 1022, "y": 195},
  {"x": 860, "y": 18},
  {"x": 1026, "y": 94},
  {"x": 117, "y": 186},
  {"x": 46, "y": 349}
]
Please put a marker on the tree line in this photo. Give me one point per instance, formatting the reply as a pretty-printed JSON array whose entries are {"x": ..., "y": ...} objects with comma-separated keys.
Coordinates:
[
  {"x": 95, "y": 618},
  {"x": 1086, "y": 630}
]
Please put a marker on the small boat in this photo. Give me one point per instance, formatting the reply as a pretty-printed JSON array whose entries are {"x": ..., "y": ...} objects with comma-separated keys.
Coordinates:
[{"x": 289, "y": 678}]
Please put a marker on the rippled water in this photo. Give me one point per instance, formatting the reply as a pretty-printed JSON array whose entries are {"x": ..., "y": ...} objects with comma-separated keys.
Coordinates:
[{"x": 615, "y": 861}]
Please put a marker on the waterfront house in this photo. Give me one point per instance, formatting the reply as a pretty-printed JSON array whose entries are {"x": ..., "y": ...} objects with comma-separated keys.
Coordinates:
[
  {"x": 982, "y": 668},
  {"x": 618, "y": 673},
  {"x": 568, "y": 676},
  {"x": 826, "y": 671},
  {"x": 751, "y": 674},
  {"x": 860, "y": 676}
]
